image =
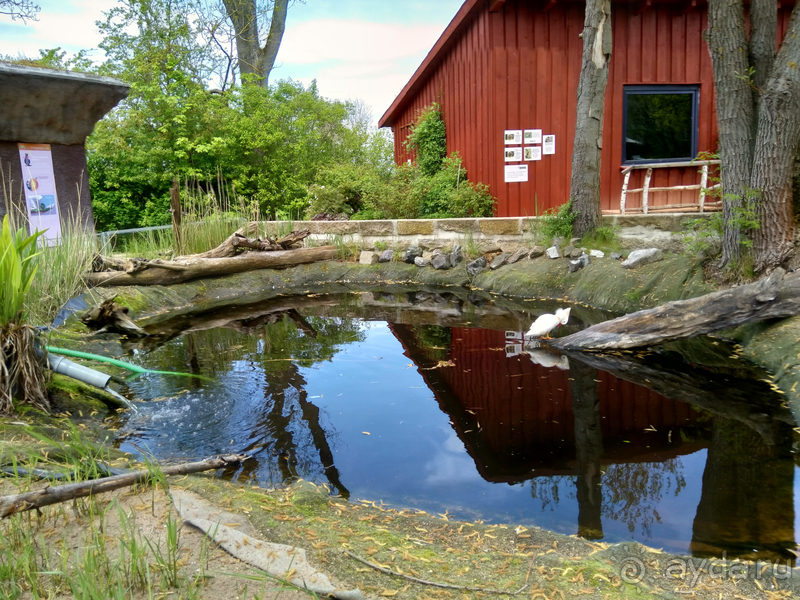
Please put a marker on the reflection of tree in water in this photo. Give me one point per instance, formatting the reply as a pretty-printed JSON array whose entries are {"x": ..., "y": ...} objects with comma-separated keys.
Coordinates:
[
  {"x": 286, "y": 427},
  {"x": 547, "y": 491},
  {"x": 433, "y": 340},
  {"x": 632, "y": 491}
]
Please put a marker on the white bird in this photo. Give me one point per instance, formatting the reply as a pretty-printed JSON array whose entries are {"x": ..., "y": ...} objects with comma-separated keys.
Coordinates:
[{"x": 546, "y": 323}]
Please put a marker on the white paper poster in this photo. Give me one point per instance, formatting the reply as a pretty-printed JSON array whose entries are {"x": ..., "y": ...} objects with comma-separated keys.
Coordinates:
[
  {"x": 512, "y": 136},
  {"x": 533, "y": 153},
  {"x": 533, "y": 136},
  {"x": 513, "y": 154},
  {"x": 549, "y": 144},
  {"x": 40, "y": 190},
  {"x": 516, "y": 173}
]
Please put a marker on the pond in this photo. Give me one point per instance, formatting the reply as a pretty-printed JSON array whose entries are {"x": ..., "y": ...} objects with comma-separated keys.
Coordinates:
[{"x": 433, "y": 400}]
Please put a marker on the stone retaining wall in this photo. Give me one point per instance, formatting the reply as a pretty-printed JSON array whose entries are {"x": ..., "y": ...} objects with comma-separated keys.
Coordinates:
[{"x": 655, "y": 230}]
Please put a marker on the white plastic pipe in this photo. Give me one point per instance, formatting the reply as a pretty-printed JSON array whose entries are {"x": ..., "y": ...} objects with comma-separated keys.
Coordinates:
[{"x": 64, "y": 366}]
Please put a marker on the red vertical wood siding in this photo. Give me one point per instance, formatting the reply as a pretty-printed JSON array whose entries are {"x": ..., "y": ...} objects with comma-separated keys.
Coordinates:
[
  {"x": 522, "y": 404},
  {"x": 518, "y": 68}
]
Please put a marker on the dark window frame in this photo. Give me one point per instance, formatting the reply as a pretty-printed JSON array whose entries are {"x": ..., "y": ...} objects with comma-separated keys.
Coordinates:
[{"x": 692, "y": 89}]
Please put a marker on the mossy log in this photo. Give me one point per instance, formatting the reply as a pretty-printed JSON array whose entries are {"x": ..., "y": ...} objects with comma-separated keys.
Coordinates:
[
  {"x": 774, "y": 297},
  {"x": 16, "y": 503}
]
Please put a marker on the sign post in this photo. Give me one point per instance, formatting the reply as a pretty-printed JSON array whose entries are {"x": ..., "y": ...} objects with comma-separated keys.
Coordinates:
[{"x": 41, "y": 199}]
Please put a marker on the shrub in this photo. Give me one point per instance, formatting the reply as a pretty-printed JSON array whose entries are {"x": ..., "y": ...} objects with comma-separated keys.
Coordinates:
[
  {"x": 557, "y": 222},
  {"x": 428, "y": 138}
]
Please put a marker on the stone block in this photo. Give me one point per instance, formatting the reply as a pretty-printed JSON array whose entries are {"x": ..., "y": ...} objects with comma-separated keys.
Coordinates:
[
  {"x": 386, "y": 256},
  {"x": 412, "y": 253},
  {"x": 537, "y": 251},
  {"x": 375, "y": 227},
  {"x": 552, "y": 252},
  {"x": 414, "y": 227},
  {"x": 440, "y": 261},
  {"x": 457, "y": 225},
  {"x": 597, "y": 253},
  {"x": 367, "y": 257},
  {"x": 500, "y": 226}
]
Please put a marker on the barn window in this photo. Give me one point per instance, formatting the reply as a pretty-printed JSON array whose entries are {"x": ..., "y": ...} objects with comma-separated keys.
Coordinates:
[{"x": 659, "y": 123}]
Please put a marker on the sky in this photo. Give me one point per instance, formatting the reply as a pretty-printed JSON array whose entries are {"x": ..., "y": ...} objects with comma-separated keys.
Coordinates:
[{"x": 355, "y": 49}]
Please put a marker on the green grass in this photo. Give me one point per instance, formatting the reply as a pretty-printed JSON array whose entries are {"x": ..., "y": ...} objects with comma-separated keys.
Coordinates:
[{"x": 91, "y": 563}]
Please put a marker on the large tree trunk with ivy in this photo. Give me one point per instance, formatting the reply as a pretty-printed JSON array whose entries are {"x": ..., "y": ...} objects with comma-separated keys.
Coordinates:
[
  {"x": 758, "y": 97},
  {"x": 585, "y": 181},
  {"x": 253, "y": 58}
]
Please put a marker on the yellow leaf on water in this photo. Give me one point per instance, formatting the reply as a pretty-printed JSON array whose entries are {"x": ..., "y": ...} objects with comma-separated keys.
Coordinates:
[
  {"x": 389, "y": 593},
  {"x": 366, "y": 433}
]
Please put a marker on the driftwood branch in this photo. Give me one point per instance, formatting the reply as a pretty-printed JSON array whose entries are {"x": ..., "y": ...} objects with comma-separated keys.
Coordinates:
[
  {"x": 190, "y": 268},
  {"x": 111, "y": 317},
  {"x": 239, "y": 240},
  {"x": 10, "y": 505},
  {"x": 777, "y": 296}
]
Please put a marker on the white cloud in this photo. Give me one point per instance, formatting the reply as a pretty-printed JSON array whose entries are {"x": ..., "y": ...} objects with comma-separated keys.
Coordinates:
[{"x": 357, "y": 41}]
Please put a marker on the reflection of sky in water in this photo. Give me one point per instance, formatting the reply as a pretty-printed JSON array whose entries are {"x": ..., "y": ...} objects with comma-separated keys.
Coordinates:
[{"x": 389, "y": 439}]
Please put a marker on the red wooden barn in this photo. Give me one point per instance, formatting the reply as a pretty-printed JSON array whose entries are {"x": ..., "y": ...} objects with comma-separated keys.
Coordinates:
[{"x": 505, "y": 73}]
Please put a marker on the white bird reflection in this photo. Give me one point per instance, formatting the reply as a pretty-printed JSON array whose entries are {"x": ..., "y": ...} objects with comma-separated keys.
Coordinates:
[{"x": 546, "y": 357}]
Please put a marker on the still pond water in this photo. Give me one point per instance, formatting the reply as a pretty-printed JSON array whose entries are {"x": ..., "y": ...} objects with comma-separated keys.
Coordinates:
[{"x": 433, "y": 400}]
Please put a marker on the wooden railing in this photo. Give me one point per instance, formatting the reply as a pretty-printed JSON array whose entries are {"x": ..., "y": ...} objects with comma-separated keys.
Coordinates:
[{"x": 646, "y": 190}]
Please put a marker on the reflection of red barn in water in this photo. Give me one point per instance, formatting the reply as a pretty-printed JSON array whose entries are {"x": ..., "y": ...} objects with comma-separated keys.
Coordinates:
[{"x": 516, "y": 417}]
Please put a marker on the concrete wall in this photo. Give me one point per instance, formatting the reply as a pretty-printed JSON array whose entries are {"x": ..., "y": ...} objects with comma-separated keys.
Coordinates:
[{"x": 635, "y": 231}]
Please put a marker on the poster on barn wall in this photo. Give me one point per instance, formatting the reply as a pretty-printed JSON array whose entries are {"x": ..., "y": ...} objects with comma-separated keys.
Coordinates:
[
  {"x": 40, "y": 190},
  {"x": 516, "y": 173},
  {"x": 549, "y": 144},
  {"x": 513, "y": 154},
  {"x": 512, "y": 136},
  {"x": 533, "y": 153},
  {"x": 533, "y": 136}
]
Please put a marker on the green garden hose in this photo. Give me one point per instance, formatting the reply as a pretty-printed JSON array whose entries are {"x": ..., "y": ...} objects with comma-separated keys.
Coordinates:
[{"x": 117, "y": 363}]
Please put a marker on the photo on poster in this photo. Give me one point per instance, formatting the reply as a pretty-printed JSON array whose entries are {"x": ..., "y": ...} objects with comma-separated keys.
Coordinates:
[
  {"x": 516, "y": 173},
  {"x": 512, "y": 136},
  {"x": 549, "y": 144},
  {"x": 513, "y": 154},
  {"x": 533, "y": 153},
  {"x": 533, "y": 136}
]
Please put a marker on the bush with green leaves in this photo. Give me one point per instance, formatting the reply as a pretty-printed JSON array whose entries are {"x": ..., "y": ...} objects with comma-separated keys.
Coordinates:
[
  {"x": 428, "y": 138},
  {"x": 557, "y": 222}
]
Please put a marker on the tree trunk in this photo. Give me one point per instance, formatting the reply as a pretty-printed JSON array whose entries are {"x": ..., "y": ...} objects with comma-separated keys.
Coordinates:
[
  {"x": 727, "y": 44},
  {"x": 585, "y": 180},
  {"x": 777, "y": 139},
  {"x": 193, "y": 268},
  {"x": 252, "y": 57}
]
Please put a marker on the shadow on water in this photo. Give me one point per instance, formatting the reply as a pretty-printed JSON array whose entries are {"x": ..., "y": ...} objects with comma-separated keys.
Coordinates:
[{"x": 434, "y": 399}]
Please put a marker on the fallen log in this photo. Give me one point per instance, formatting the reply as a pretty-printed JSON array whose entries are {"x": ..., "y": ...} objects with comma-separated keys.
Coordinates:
[
  {"x": 776, "y": 296},
  {"x": 190, "y": 268},
  {"x": 239, "y": 240},
  {"x": 16, "y": 503}
]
